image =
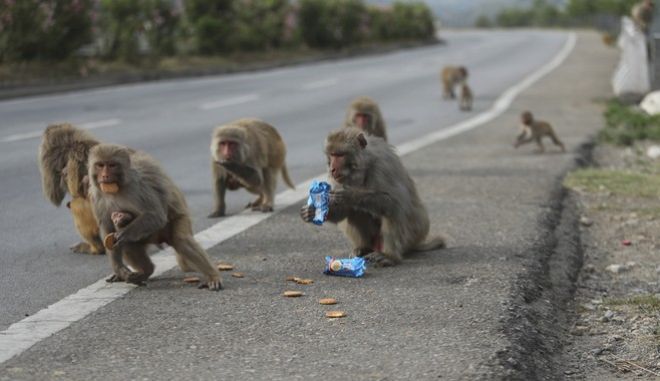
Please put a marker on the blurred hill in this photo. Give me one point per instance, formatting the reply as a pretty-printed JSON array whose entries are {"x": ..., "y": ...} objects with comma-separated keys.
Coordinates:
[{"x": 463, "y": 13}]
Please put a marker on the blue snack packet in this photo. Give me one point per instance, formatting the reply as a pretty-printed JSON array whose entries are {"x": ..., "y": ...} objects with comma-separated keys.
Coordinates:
[
  {"x": 320, "y": 199},
  {"x": 351, "y": 267}
]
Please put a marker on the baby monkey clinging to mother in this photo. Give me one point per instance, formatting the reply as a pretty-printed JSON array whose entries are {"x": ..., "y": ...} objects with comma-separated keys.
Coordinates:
[{"x": 534, "y": 130}]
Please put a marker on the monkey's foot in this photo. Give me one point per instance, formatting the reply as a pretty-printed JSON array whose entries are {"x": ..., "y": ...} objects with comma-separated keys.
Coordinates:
[
  {"x": 114, "y": 278},
  {"x": 212, "y": 285},
  {"x": 137, "y": 278},
  {"x": 216, "y": 214},
  {"x": 85, "y": 248},
  {"x": 377, "y": 259},
  {"x": 262, "y": 208}
]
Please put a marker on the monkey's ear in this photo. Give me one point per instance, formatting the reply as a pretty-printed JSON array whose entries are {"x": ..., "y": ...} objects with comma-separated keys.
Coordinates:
[{"x": 362, "y": 140}]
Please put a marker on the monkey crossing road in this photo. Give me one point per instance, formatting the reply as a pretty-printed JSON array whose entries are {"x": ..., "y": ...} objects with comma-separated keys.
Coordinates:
[{"x": 455, "y": 313}]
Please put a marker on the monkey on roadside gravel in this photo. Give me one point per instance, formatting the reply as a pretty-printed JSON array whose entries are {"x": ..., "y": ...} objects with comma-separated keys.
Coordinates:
[
  {"x": 466, "y": 98},
  {"x": 247, "y": 153},
  {"x": 534, "y": 130},
  {"x": 63, "y": 155},
  {"x": 452, "y": 76},
  {"x": 364, "y": 113},
  {"x": 373, "y": 199},
  {"x": 131, "y": 187}
]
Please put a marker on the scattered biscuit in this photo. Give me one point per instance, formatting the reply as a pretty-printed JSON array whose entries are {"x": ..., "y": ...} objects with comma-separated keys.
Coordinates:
[
  {"x": 191, "y": 279},
  {"x": 109, "y": 187},
  {"x": 293, "y": 294},
  {"x": 304, "y": 281},
  {"x": 335, "y": 314},
  {"x": 238, "y": 275},
  {"x": 225, "y": 267},
  {"x": 109, "y": 241},
  {"x": 328, "y": 301}
]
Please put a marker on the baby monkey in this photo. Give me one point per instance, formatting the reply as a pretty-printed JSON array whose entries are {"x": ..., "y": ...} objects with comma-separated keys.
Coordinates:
[{"x": 535, "y": 130}]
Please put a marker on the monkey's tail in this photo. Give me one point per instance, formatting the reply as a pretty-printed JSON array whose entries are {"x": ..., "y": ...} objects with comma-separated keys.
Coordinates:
[
  {"x": 287, "y": 179},
  {"x": 434, "y": 243}
]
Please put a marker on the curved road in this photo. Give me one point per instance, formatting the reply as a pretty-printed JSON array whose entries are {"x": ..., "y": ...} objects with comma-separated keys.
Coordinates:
[{"x": 172, "y": 120}]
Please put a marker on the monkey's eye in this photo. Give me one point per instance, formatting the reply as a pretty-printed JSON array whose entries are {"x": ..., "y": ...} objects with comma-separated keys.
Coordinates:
[
  {"x": 98, "y": 165},
  {"x": 112, "y": 165}
]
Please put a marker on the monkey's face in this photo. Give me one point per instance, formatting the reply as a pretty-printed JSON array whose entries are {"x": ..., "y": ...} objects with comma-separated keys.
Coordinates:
[
  {"x": 121, "y": 219},
  {"x": 363, "y": 121},
  {"x": 526, "y": 118},
  {"x": 344, "y": 161},
  {"x": 229, "y": 150},
  {"x": 108, "y": 175}
]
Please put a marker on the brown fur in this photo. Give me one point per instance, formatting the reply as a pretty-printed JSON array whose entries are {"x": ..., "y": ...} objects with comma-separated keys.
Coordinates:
[
  {"x": 536, "y": 129},
  {"x": 366, "y": 105},
  {"x": 159, "y": 212},
  {"x": 450, "y": 77},
  {"x": 261, "y": 156},
  {"x": 63, "y": 155},
  {"x": 466, "y": 99},
  {"x": 376, "y": 202}
]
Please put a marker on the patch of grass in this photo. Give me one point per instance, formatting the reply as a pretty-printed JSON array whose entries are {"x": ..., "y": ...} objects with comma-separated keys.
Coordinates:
[
  {"x": 649, "y": 302},
  {"x": 625, "y": 125},
  {"x": 619, "y": 182}
]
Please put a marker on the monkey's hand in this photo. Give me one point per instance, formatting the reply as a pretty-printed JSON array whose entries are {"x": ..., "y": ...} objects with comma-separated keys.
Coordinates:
[{"x": 307, "y": 213}]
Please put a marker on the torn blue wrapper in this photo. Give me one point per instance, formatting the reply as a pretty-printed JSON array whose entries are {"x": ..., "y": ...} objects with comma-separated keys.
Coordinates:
[
  {"x": 320, "y": 199},
  {"x": 351, "y": 267}
]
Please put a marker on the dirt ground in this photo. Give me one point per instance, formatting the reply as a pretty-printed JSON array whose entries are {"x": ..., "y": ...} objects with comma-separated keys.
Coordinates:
[{"x": 616, "y": 331}]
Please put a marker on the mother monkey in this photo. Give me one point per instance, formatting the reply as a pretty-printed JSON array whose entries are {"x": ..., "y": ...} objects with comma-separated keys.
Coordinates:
[{"x": 131, "y": 182}]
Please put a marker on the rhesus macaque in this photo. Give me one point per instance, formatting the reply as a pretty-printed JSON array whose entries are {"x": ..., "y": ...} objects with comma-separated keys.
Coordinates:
[
  {"x": 133, "y": 188},
  {"x": 642, "y": 14},
  {"x": 534, "y": 130},
  {"x": 364, "y": 114},
  {"x": 466, "y": 98},
  {"x": 452, "y": 76},
  {"x": 63, "y": 155},
  {"x": 247, "y": 153},
  {"x": 373, "y": 199}
]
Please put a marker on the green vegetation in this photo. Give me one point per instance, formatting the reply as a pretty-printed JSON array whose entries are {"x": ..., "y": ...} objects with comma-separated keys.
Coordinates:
[
  {"x": 647, "y": 302},
  {"x": 624, "y": 125},
  {"x": 139, "y": 31},
  {"x": 602, "y": 14},
  {"x": 625, "y": 183}
]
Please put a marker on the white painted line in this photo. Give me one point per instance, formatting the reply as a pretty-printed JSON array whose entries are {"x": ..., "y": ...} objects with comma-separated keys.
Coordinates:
[
  {"x": 229, "y": 102},
  {"x": 22, "y": 335},
  {"x": 37, "y": 134},
  {"x": 320, "y": 84}
]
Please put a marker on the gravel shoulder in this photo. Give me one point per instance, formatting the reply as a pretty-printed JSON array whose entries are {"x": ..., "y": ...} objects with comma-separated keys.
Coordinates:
[{"x": 616, "y": 330}]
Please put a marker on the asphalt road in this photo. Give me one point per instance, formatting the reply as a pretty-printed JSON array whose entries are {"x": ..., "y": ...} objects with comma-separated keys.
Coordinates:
[{"x": 437, "y": 315}]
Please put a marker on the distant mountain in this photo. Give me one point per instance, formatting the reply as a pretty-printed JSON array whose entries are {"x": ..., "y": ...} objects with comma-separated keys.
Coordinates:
[{"x": 458, "y": 13}]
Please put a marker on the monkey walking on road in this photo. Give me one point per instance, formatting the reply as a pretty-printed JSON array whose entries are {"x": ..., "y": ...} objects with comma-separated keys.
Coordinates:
[
  {"x": 247, "y": 153},
  {"x": 534, "y": 130}
]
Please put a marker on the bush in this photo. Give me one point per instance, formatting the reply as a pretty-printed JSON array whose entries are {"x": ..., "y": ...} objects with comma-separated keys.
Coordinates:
[
  {"x": 131, "y": 28},
  {"x": 43, "y": 29},
  {"x": 259, "y": 24},
  {"x": 211, "y": 24},
  {"x": 332, "y": 23},
  {"x": 624, "y": 125}
]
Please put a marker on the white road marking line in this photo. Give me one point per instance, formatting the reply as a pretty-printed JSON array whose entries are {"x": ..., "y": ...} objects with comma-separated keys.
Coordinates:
[
  {"x": 36, "y": 134},
  {"x": 320, "y": 84},
  {"x": 24, "y": 334},
  {"x": 229, "y": 102}
]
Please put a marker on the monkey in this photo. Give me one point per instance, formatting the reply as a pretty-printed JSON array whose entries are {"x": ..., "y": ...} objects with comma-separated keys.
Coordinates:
[
  {"x": 642, "y": 14},
  {"x": 364, "y": 113},
  {"x": 63, "y": 155},
  {"x": 247, "y": 153},
  {"x": 452, "y": 76},
  {"x": 132, "y": 183},
  {"x": 466, "y": 98},
  {"x": 373, "y": 199},
  {"x": 537, "y": 129}
]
